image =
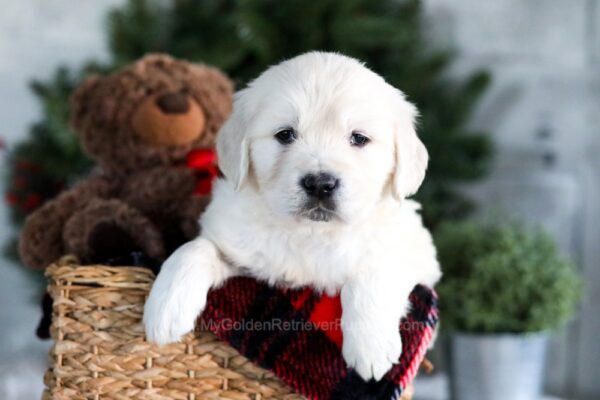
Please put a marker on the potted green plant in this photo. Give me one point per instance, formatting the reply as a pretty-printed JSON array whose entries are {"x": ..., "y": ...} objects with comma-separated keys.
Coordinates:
[{"x": 505, "y": 289}]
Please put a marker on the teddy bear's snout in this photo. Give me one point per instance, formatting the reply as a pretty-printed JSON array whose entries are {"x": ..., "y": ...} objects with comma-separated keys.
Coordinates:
[{"x": 169, "y": 119}]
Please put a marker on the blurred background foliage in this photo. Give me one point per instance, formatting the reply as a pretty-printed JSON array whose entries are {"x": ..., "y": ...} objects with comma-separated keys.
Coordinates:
[{"x": 243, "y": 37}]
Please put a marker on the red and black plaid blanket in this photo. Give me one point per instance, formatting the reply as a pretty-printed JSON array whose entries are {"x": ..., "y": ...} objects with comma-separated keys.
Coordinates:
[{"x": 297, "y": 335}]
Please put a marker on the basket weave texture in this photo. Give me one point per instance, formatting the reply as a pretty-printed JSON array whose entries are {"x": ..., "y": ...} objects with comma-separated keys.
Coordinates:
[{"x": 100, "y": 350}]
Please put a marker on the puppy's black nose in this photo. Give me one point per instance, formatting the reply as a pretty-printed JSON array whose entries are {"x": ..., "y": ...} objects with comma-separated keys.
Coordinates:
[{"x": 319, "y": 185}]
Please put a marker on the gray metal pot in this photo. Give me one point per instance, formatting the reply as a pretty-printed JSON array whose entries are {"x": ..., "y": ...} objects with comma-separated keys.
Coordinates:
[{"x": 497, "y": 367}]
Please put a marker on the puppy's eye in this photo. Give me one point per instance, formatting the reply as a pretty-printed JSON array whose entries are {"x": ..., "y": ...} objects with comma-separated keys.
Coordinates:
[
  {"x": 358, "y": 139},
  {"x": 285, "y": 135}
]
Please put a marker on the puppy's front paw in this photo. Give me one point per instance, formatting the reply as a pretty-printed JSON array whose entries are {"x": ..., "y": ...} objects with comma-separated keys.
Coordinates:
[
  {"x": 178, "y": 295},
  {"x": 167, "y": 319},
  {"x": 373, "y": 353}
]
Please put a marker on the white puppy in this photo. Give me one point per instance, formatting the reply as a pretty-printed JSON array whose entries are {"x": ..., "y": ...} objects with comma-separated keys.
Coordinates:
[{"x": 318, "y": 157}]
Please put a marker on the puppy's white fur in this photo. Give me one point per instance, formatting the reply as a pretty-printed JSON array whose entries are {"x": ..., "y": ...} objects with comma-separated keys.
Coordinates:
[{"x": 374, "y": 250}]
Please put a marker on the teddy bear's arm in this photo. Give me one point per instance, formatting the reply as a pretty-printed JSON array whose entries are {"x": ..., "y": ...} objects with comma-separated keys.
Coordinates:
[
  {"x": 107, "y": 229},
  {"x": 41, "y": 241}
]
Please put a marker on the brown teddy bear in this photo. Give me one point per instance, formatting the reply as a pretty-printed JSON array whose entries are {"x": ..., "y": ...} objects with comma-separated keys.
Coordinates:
[{"x": 140, "y": 125}]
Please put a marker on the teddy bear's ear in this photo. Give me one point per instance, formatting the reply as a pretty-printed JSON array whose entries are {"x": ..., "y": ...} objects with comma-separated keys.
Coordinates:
[
  {"x": 222, "y": 85},
  {"x": 81, "y": 100},
  {"x": 214, "y": 91}
]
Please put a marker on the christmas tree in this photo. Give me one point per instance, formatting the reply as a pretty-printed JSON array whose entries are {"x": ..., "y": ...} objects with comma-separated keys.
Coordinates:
[{"x": 243, "y": 37}]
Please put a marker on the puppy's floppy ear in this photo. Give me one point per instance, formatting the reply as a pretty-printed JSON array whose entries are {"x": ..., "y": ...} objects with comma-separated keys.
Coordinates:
[
  {"x": 411, "y": 154},
  {"x": 232, "y": 144}
]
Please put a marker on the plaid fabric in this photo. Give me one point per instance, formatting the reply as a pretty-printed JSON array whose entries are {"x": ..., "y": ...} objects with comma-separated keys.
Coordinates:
[{"x": 297, "y": 335}]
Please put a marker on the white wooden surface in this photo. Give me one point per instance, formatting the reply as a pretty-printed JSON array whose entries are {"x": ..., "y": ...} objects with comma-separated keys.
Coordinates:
[{"x": 435, "y": 388}]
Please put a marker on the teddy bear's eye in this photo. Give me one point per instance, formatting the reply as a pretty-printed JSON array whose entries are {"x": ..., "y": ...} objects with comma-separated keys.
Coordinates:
[
  {"x": 358, "y": 139},
  {"x": 286, "y": 135}
]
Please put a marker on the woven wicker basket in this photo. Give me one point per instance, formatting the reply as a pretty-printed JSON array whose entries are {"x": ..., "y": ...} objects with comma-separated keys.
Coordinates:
[{"x": 100, "y": 351}]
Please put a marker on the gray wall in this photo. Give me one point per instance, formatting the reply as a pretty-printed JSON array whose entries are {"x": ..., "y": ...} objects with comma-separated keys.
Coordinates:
[{"x": 545, "y": 60}]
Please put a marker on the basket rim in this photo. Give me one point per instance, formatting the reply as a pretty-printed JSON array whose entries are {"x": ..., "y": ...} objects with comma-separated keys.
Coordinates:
[{"x": 67, "y": 271}]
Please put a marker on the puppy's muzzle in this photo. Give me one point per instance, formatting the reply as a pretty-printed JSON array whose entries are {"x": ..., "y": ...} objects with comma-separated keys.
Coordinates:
[
  {"x": 319, "y": 186},
  {"x": 320, "y": 189}
]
